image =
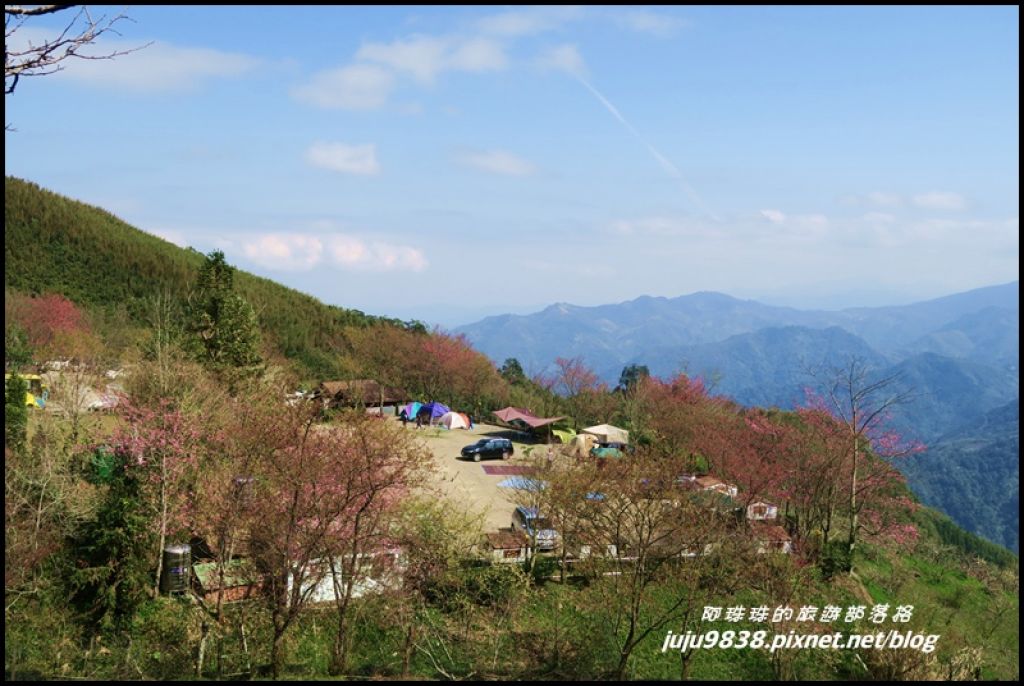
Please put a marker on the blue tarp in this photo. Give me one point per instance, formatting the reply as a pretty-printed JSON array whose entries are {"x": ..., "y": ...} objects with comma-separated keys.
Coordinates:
[
  {"x": 523, "y": 483},
  {"x": 436, "y": 409}
]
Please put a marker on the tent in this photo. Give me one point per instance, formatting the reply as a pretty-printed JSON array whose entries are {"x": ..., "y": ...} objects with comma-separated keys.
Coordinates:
[
  {"x": 582, "y": 444},
  {"x": 412, "y": 409},
  {"x": 564, "y": 435},
  {"x": 606, "y": 433},
  {"x": 436, "y": 409},
  {"x": 454, "y": 420}
]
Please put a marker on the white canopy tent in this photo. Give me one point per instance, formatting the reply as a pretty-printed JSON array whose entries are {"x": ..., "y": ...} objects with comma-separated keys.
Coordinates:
[{"x": 606, "y": 433}]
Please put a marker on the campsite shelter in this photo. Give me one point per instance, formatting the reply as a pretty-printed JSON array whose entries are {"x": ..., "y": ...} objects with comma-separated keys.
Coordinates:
[
  {"x": 524, "y": 420},
  {"x": 606, "y": 433},
  {"x": 359, "y": 393}
]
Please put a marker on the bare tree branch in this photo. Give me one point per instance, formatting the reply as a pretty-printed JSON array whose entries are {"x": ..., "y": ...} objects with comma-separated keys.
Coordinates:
[{"x": 29, "y": 59}]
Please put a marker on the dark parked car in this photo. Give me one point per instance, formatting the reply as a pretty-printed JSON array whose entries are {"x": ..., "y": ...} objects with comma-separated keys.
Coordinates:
[{"x": 489, "y": 447}]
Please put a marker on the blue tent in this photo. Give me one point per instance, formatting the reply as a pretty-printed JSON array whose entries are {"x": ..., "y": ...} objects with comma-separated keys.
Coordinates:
[
  {"x": 412, "y": 409},
  {"x": 436, "y": 409}
]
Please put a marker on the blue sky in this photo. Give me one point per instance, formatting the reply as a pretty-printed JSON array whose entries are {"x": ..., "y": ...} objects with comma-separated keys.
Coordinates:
[{"x": 447, "y": 163}]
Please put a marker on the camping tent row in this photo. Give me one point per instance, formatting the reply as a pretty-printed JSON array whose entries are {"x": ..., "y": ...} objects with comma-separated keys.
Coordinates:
[{"x": 437, "y": 413}]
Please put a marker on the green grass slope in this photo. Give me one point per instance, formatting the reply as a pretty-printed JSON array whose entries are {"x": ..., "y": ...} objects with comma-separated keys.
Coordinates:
[{"x": 55, "y": 244}]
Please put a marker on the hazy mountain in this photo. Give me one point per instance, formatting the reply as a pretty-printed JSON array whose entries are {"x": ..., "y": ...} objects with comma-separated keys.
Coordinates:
[
  {"x": 950, "y": 394},
  {"x": 958, "y": 354},
  {"x": 973, "y": 474},
  {"x": 991, "y": 334},
  {"x": 978, "y": 324},
  {"x": 767, "y": 367}
]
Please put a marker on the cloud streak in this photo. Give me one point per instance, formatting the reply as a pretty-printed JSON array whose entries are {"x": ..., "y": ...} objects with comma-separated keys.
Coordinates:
[
  {"x": 360, "y": 160},
  {"x": 159, "y": 67},
  {"x": 566, "y": 58},
  {"x": 355, "y": 87},
  {"x": 499, "y": 162}
]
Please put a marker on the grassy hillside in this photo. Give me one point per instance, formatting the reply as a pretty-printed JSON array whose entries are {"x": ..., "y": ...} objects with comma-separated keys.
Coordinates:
[{"x": 55, "y": 244}]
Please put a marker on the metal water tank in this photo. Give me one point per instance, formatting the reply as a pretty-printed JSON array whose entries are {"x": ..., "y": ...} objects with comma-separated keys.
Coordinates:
[{"x": 177, "y": 568}]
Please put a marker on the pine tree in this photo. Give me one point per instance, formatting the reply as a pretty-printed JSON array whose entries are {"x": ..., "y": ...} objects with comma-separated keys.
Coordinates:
[
  {"x": 225, "y": 332},
  {"x": 15, "y": 412}
]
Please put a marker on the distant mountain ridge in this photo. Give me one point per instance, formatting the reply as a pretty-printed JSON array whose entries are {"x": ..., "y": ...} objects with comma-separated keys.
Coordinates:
[
  {"x": 959, "y": 354},
  {"x": 607, "y": 335}
]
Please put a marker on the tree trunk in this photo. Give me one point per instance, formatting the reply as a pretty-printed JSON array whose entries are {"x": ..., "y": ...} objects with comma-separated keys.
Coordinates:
[
  {"x": 410, "y": 643},
  {"x": 339, "y": 658},
  {"x": 202, "y": 650},
  {"x": 277, "y": 654},
  {"x": 163, "y": 524},
  {"x": 852, "y": 540}
]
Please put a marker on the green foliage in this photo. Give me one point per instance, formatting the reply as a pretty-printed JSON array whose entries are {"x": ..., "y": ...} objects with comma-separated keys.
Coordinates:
[
  {"x": 973, "y": 474},
  {"x": 947, "y": 532},
  {"x": 164, "y": 632},
  {"x": 512, "y": 371},
  {"x": 488, "y": 586},
  {"x": 835, "y": 560},
  {"x": 223, "y": 325},
  {"x": 15, "y": 412},
  {"x": 17, "y": 351},
  {"x": 632, "y": 375},
  {"x": 115, "y": 552}
]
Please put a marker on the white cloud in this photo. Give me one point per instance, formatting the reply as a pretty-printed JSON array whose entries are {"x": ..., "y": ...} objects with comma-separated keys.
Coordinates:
[
  {"x": 767, "y": 226},
  {"x": 931, "y": 200},
  {"x": 284, "y": 251},
  {"x": 157, "y": 68},
  {"x": 565, "y": 58},
  {"x": 665, "y": 226},
  {"x": 641, "y": 21},
  {"x": 302, "y": 252},
  {"x": 528, "y": 22},
  {"x": 341, "y": 157},
  {"x": 874, "y": 199},
  {"x": 355, "y": 87},
  {"x": 355, "y": 253},
  {"x": 496, "y": 162},
  {"x": 939, "y": 200},
  {"x": 425, "y": 57}
]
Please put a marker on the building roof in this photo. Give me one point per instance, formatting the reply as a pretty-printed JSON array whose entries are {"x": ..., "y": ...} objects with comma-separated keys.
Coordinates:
[
  {"x": 771, "y": 532},
  {"x": 708, "y": 481},
  {"x": 236, "y": 573},
  {"x": 365, "y": 391},
  {"x": 506, "y": 540}
]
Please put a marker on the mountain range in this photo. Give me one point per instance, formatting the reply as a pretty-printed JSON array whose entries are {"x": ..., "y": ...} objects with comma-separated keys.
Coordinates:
[{"x": 958, "y": 355}]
